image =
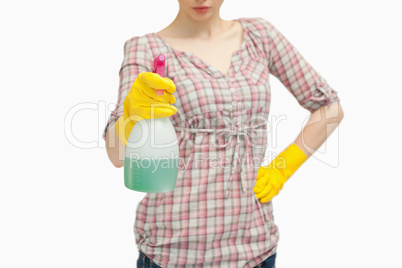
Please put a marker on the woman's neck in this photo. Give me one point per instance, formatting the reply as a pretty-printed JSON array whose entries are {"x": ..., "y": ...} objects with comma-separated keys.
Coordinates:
[{"x": 186, "y": 27}]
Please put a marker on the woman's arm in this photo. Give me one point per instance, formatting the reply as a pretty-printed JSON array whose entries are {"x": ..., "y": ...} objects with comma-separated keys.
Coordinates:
[
  {"x": 114, "y": 147},
  {"x": 319, "y": 127},
  {"x": 136, "y": 60}
]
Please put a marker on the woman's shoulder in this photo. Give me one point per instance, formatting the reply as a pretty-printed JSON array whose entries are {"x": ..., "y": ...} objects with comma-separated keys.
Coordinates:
[
  {"x": 146, "y": 43},
  {"x": 257, "y": 25},
  {"x": 137, "y": 49},
  {"x": 137, "y": 42}
]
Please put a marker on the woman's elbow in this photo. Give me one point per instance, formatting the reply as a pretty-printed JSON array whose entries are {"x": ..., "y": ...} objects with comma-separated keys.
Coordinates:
[
  {"x": 114, "y": 158},
  {"x": 340, "y": 114},
  {"x": 116, "y": 162},
  {"x": 334, "y": 112}
]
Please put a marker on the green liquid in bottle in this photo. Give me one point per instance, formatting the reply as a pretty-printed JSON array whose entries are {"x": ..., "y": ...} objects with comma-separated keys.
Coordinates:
[{"x": 151, "y": 175}]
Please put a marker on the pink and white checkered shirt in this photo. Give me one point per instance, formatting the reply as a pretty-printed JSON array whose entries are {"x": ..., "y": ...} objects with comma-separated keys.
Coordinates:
[{"x": 213, "y": 217}]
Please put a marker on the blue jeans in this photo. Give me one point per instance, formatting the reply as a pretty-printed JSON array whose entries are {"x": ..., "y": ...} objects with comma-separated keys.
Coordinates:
[{"x": 145, "y": 262}]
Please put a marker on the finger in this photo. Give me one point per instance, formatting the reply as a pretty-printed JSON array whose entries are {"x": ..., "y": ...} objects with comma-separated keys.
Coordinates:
[
  {"x": 261, "y": 196},
  {"x": 158, "y": 110},
  {"x": 172, "y": 87},
  {"x": 259, "y": 186},
  {"x": 261, "y": 172},
  {"x": 268, "y": 196},
  {"x": 166, "y": 111},
  {"x": 154, "y": 80},
  {"x": 172, "y": 99},
  {"x": 260, "y": 176},
  {"x": 264, "y": 192},
  {"x": 150, "y": 92},
  {"x": 267, "y": 199},
  {"x": 153, "y": 99}
]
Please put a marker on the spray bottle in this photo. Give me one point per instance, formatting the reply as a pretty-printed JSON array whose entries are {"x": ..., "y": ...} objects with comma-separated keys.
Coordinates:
[{"x": 152, "y": 157}]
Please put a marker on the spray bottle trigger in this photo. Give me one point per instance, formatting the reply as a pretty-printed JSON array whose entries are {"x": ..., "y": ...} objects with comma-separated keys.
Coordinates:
[{"x": 159, "y": 68}]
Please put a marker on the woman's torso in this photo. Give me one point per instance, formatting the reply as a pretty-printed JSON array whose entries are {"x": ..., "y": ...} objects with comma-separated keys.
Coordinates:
[{"x": 212, "y": 218}]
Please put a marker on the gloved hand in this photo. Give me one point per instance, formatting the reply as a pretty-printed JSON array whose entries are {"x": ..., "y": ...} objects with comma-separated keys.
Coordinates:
[
  {"x": 142, "y": 99},
  {"x": 270, "y": 179}
]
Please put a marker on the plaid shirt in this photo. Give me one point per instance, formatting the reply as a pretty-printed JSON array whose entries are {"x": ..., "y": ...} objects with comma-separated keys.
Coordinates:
[{"x": 213, "y": 217}]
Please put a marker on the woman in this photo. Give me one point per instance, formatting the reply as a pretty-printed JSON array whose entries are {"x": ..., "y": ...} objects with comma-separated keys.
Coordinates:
[{"x": 217, "y": 76}]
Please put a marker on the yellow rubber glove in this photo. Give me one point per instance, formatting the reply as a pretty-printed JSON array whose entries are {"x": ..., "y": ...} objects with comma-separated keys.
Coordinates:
[
  {"x": 270, "y": 179},
  {"x": 142, "y": 99}
]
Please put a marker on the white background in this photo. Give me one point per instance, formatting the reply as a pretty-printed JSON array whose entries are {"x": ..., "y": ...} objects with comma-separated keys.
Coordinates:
[{"x": 64, "y": 205}]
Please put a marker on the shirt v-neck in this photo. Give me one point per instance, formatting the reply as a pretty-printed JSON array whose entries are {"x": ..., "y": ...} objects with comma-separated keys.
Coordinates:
[{"x": 200, "y": 62}]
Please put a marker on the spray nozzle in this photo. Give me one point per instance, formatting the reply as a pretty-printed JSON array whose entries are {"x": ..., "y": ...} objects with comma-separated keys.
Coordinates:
[{"x": 159, "y": 68}]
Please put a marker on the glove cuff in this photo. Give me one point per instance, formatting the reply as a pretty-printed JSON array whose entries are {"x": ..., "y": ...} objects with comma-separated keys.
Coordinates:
[{"x": 289, "y": 160}]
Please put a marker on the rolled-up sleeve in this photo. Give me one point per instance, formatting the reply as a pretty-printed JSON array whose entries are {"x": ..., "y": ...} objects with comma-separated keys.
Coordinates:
[
  {"x": 286, "y": 63},
  {"x": 136, "y": 60}
]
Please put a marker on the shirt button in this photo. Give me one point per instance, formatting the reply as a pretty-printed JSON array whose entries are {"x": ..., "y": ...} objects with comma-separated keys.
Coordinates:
[
  {"x": 231, "y": 89},
  {"x": 233, "y": 103}
]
